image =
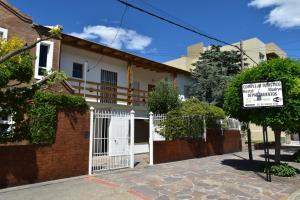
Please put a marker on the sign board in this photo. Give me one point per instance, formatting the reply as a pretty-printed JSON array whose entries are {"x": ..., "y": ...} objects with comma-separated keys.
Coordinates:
[{"x": 262, "y": 94}]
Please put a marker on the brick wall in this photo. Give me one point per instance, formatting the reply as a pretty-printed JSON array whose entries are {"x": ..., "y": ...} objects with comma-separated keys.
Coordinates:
[
  {"x": 68, "y": 156},
  {"x": 216, "y": 144}
]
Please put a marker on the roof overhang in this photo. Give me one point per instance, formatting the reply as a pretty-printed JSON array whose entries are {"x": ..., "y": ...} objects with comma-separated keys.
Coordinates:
[{"x": 115, "y": 53}]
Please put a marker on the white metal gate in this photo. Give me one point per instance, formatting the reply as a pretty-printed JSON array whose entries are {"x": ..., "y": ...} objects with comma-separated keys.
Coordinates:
[{"x": 111, "y": 140}]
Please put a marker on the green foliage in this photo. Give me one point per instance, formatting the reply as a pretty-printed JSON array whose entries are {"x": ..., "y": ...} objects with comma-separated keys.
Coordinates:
[
  {"x": 283, "y": 169},
  {"x": 61, "y": 100},
  {"x": 163, "y": 98},
  {"x": 212, "y": 72},
  {"x": 19, "y": 68},
  {"x": 42, "y": 114},
  {"x": 42, "y": 123},
  {"x": 285, "y": 70},
  {"x": 194, "y": 106},
  {"x": 296, "y": 156},
  {"x": 56, "y": 31},
  {"x": 188, "y": 120}
]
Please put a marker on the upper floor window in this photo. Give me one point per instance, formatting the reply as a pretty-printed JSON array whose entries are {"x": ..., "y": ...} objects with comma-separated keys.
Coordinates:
[
  {"x": 261, "y": 56},
  {"x": 110, "y": 82},
  {"x": 77, "y": 70},
  {"x": 3, "y": 33},
  {"x": 44, "y": 58}
]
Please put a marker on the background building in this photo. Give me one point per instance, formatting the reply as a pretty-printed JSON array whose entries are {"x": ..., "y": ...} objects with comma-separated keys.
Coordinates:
[{"x": 254, "y": 47}]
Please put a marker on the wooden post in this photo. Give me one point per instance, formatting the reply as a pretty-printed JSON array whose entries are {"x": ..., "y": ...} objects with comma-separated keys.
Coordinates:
[{"x": 129, "y": 81}]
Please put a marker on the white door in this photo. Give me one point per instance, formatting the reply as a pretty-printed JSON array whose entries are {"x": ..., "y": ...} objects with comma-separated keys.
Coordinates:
[{"x": 119, "y": 140}]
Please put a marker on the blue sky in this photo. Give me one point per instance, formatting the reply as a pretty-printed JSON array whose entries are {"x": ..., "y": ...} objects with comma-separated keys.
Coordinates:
[{"x": 231, "y": 20}]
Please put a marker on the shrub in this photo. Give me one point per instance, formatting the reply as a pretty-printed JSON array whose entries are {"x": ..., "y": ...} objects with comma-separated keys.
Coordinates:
[
  {"x": 42, "y": 114},
  {"x": 283, "y": 169},
  {"x": 188, "y": 120},
  {"x": 296, "y": 156},
  {"x": 164, "y": 98},
  {"x": 42, "y": 123}
]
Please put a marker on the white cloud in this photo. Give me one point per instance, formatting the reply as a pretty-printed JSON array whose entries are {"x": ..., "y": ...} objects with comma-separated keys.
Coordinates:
[
  {"x": 283, "y": 14},
  {"x": 126, "y": 38}
]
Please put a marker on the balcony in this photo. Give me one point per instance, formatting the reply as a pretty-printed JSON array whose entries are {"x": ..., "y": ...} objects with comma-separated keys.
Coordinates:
[{"x": 109, "y": 93}]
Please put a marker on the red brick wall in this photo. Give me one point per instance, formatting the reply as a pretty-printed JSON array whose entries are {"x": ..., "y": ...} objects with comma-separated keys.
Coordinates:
[
  {"x": 24, "y": 30},
  {"x": 68, "y": 156},
  {"x": 216, "y": 144}
]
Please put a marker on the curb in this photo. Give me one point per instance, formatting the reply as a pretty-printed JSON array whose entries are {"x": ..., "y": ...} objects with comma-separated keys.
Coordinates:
[{"x": 41, "y": 184}]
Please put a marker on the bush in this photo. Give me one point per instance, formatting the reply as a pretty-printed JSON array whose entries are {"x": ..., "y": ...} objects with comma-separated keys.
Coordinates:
[
  {"x": 283, "y": 169},
  {"x": 296, "y": 156},
  {"x": 42, "y": 114},
  {"x": 163, "y": 98},
  {"x": 188, "y": 120},
  {"x": 42, "y": 124}
]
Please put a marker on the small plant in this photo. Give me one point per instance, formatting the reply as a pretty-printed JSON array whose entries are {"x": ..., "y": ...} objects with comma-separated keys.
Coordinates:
[
  {"x": 296, "y": 157},
  {"x": 283, "y": 169}
]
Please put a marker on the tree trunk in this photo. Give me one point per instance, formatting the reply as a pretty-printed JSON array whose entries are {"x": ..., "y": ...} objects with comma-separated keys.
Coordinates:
[
  {"x": 299, "y": 137},
  {"x": 248, "y": 130},
  {"x": 277, "y": 134}
]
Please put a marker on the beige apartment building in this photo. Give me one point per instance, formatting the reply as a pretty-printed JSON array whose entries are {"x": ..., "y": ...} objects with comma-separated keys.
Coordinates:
[{"x": 253, "y": 47}]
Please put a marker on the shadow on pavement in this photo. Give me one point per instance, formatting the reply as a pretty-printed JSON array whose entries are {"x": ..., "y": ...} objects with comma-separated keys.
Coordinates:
[
  {"x": 283, "y": 158},
  {"x": 246, "y": 165}
]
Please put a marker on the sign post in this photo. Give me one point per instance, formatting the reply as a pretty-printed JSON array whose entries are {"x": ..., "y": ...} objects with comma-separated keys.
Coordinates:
[{"x": 263, "y": 95}]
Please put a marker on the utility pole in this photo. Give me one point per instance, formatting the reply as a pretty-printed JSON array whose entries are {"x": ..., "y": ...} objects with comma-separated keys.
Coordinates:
[
  {"x": 242, "y": 55},
  {"x": 247, "y": 127}
]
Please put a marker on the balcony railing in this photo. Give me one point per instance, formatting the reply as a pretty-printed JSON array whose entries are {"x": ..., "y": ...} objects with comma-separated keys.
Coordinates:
[{"x": 109, "y": 93}]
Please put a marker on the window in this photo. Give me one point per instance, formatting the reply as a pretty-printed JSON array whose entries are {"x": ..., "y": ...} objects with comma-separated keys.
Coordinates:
[
  {"x": 261, "y": 56},
  {"x": 187, "y": 91},
  {"x": 77, "y": 70},
  {"x": 3, "y": 33},
  {"x": 44, "y": 60},
  {"x": 110, "y": 79}
]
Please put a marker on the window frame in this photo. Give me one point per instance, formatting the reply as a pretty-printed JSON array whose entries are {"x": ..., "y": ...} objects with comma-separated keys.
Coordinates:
[
  {"x": 82, "y": 72},
  {"x": 5, "y": 33},
  {"x": 49, "y": 63}
]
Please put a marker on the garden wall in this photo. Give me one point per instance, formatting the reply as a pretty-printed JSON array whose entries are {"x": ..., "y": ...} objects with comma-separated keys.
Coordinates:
[
  {"x": 68, "y": 156},
  {"x": 216, "y": 144}
]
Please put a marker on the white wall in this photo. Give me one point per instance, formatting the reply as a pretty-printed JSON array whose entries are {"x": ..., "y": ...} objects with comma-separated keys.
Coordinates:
[{"x": 71, "y": 54}]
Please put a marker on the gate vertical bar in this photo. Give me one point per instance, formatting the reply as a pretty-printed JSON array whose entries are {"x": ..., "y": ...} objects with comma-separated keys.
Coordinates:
[
  {"x": 91, "y": 139},
  {"x": 132, "y": 139},
  {"x": 151, "y": 128}
]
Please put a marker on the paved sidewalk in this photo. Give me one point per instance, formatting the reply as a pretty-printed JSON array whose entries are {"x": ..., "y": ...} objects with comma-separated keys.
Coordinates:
[
  {"x": 228, "y": 176},
  {"x": 222, "y": 177},
  {"x": 83, "y": 188}
]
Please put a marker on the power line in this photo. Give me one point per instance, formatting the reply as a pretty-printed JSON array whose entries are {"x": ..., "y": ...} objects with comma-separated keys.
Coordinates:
[
  {"x": 184, "y": 27},
  {"x": 113, "y": 40}
]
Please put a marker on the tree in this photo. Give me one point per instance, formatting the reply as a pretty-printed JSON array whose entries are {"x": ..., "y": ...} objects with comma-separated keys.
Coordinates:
[
  {"x": 279, "y": 119},
  {"x": 212, "y": 72},
  {"x": 163, "y": 98}
]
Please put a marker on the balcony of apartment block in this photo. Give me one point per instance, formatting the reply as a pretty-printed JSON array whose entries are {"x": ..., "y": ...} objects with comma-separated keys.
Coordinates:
[
  {"x": 274, "y": 51},
  {"x": 109, "y": 93}
]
